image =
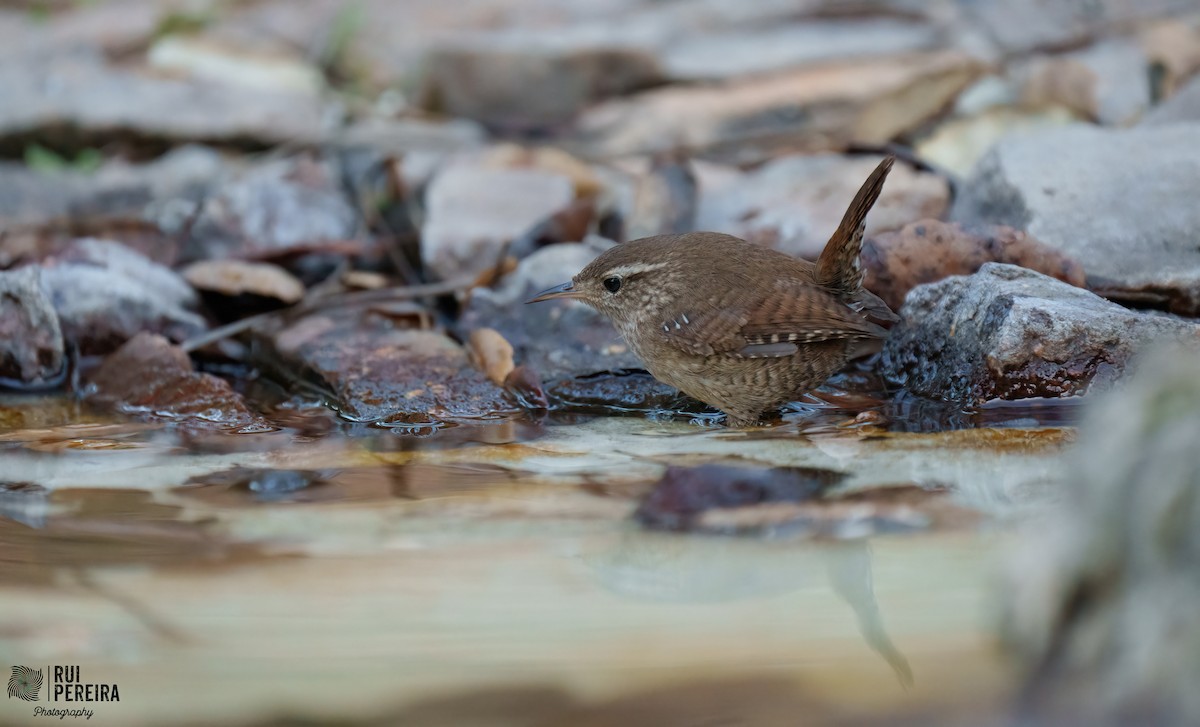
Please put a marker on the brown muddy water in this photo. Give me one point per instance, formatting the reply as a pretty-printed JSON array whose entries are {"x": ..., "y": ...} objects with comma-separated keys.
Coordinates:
[{"x": 492, "y": 572}]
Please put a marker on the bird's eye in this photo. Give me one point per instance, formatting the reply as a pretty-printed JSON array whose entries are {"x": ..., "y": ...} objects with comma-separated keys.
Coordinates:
[{"x": 612, "y": 284}]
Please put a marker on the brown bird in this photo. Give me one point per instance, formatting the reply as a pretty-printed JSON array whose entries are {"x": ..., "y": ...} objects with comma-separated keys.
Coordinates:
[{"x": 736, "y": 325}]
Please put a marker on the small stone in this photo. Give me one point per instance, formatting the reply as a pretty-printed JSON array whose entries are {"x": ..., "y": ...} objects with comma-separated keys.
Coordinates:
[
  {"x": 820, "y": 108},
  {"x": 474, "y": 210},
  {"x": 958, "y": 144},
  {"x": 31, "y": 342},
  {"x": 233, "y": 278},
  {"x": 1120, "y": 202},
  {"x": 795, "y": 203},
  {"x": 492, "y": 354},
  {"x": 106, "y": 293},
  {"x": 1010, "y": 333},
  {"x": 151, "y": 378}
]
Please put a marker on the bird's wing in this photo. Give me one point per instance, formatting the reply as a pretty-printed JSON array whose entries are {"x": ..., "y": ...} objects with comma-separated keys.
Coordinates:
[{"x": 787, "y": 316}]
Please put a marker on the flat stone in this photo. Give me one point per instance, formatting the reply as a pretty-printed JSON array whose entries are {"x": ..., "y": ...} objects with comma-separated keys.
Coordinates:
[
  {"x": 795, "y": 203},
  {"x": 150, "y": 378},
  {"x": 1118, "y": 201},
  {"x": 106, "y": 293},
  {"x": 79, "y": 102},
  {"x": 1010, "y": 333},
  {"x": 31, "y": 342},
  {"x": 375, "y": 370},
  {"x": 473, "y": 210},
  {"x": 239, "y": 277},
  {"x": 757, "y": 50},
  {"x": 580, "y": 357},
  {"x": 819, "y": 108},
  {"x": 529, "y": 80},
  {"x": 957, "y": 145}
]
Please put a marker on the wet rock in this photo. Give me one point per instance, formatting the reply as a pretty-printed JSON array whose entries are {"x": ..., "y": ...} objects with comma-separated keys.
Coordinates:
[
  {"x": 271, "y": 209},
  {"x": 31, "y": 342},
  {"x": 237, "y": 288},
  {"x": 1119, "y": 202},
  {"x": 1099, "y": 597},
  {"x": 1108, "y": 83},
  {"x": 684, "y": 494},
  {"x": 532, "y": 80},
  {"x": 79, "y": 100},
  {"x": 116, "y": 190},
  {"x": 829, "y": 107},
  {"x": 578, "y": 354},
  {"x": 1010, "y": 333},
  {"x": 795, "y": 203},
  {"x": 149, "y": 377},
  {"x": 474, "y": 210},
  {"x": 374, "y": 369},
  {"x": 1184, "y": 106},
  {"x": 929, "y": 250},
  {"x": 712, "y": 56},
  {"x": 106, "y": 293}
]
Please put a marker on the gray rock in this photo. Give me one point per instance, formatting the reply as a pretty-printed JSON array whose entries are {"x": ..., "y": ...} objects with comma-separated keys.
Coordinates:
[
  {"x": 474, "y": 209},
  {"x": 1108, "y": 82},
  {"x": 1100, "y": 595},
  {"x": 273, "y": 208},
  {"x": 1020, "y": 26},
  {"x": 31, "y": 342},
  {"x": 765, "y": 49},
  {"x": 1184, "y": 106},
  {"x": 1122, "y": 203},
  {"x": 82, "y": 101},
  {"x": 1010, "y": 333},
  {"x": 106, "y": 293},
  {"x": 117, "y": 189},
  {"x": 532, "y": 79}
]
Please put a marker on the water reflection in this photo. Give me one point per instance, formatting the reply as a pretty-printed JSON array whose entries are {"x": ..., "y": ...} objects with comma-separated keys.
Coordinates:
[{"x": 696, "y": 569}]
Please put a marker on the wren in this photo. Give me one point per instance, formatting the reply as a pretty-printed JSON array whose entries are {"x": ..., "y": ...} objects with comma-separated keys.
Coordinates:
[{"x": 739, "y": 326}]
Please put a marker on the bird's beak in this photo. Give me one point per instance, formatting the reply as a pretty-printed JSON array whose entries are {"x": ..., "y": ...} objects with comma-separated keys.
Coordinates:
[{"x": 566, "y": 290}]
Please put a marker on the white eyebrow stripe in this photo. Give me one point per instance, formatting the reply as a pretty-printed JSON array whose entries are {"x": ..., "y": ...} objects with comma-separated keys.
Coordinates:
[{"x": 634, "y": 269}]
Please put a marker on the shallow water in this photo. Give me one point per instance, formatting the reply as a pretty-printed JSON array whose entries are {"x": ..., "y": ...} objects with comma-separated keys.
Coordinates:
[{"x": 490, "y": 572}]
